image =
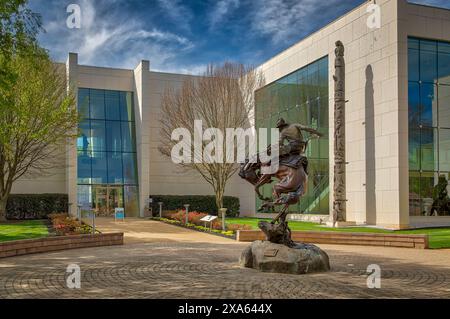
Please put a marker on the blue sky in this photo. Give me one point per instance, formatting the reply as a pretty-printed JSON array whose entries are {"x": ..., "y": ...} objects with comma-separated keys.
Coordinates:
[{"x": 184, "y": 36}]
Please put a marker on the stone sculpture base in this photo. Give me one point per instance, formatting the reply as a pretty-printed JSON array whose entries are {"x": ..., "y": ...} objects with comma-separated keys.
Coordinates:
[{"x": 276, "y": 258}]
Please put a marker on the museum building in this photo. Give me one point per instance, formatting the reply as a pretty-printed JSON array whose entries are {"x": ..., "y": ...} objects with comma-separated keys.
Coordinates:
[{"x": 397, "y": 124}]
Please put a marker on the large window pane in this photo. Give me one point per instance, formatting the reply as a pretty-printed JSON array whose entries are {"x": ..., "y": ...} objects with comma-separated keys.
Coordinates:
[
  {"x": 126, "y": 106},
  {"x": 128, "y": 136},
  {"x": 84, "y": 167},
  {"x": 415, "y": 207},
  {"x": 428, "y": 105},
  {"x": 429, "y": 155},
  {"x": 84, "y": 193},
  {"x": 444, "y": 105},
  {"x": 429, "y": 150},
  {"x": 97, "y": 105},
  {"x": 115, "y": 174},
  {"x": 428, "y": 66},
  {"x": 113, "y": 136},
  {"x": 413, "y": 65},
  {"x": 414, "y": 105},
  {"x": 305, "y": 102},
  {"x": 428, "y": 45},
  {"x": 131, "y": 201},
  {"x": 444, "y": 150},
  {"x": 83, "y": 103},
  {"x": 444, "y": 67},
  {"x": 83, "y": 140},
  {"x": 112, "y": 105},
  {"x": 413, "y": 43},
  {"x": 323, "y": 111},
  {"x": 99, "y": 168},
  {"x": 98, "y": 136},
  {"x": 414, "y": 149},
  {"x": 108, "y": 131},
  {"x": 130, "y": 168},
  {"x": 427, "y": 183}
]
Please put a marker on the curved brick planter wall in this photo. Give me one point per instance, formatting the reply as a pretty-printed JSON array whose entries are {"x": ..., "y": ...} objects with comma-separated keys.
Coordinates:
[
  {"x": 41, "y": 245},
  {"x": 363, "y": 239}
]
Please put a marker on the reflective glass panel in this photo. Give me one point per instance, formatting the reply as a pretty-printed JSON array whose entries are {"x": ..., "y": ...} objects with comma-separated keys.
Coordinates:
[
  {"x": 115, "y": 171},
  {"x": 84, "y": 167},
  {"x": 131, "y": 200},
  {"x": 414, "y": 149},
  {"x": 113, "y": 136},
  {"x": 99, "y": 168},
  {"x": 129, "y": 168},
  {"x": 97, "y": 104},
  {"x": 429, "y": 124},
  {"x": 98, "y": 136},
  {"x": 126, "y": 106},
  {"x": 302, "y": 97},
  {"x": 444, "y": 150},
  {"x": 84, "y": 193},
  {"x": 128, "y": 137},
  {"x": 83, "y": 104},
  {"x": 444, "y": 106},
  {"x": 107, "y": 151},
  {"x": 112, "y": 105},
  {"x": 428, "y": 66},
  {"x": 429, "y": 149},
  {"x": 84, "y": 137},
  {"x": 428, "y": 105}
]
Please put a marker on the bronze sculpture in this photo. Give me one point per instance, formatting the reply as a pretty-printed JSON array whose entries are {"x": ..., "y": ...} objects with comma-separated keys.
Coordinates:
[{"x": 292, "y": 176}]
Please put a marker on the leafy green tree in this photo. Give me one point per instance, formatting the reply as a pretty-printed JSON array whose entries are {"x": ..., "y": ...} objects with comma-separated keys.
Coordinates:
[
  {"x": 19, "y": 27},
  {"x": 37, "y": 113}
]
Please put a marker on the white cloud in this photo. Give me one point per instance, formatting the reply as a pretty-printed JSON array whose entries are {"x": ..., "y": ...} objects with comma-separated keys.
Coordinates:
[
  {"x": 221, "y": 10},
  {"x": 177, "y": 12},
  {"x": 195, "y": 69},
  {"x": 282, "y": 19},
  {"x": 112, "y": 39}
]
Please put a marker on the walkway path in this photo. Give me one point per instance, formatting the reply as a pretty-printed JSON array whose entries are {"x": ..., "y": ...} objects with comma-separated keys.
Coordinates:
[
  {"x": 149, "y": 231},
  {"x": 172, "y": 262}
]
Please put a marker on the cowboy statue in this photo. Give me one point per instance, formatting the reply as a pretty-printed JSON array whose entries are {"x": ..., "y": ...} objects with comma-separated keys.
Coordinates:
[
  {"x": 296, "y": 144},
  {"x": 292, "y": 173}
]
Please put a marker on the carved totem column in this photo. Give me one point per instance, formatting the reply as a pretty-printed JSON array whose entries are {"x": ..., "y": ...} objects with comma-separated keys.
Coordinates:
[{"x": 339, "y": 204}]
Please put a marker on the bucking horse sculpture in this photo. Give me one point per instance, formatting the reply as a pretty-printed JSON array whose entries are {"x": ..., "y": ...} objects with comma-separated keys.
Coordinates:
[{"x": 292, "y": 176}]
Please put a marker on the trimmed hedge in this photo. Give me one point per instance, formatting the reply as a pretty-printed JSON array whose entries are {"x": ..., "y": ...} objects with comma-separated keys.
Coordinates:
[
  {"x": 199, "y": 203},
  {"x": 35, "y": 206}
]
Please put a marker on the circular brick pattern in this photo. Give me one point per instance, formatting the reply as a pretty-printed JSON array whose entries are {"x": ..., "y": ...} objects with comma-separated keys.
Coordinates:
[{"x": 200, "y": 270}]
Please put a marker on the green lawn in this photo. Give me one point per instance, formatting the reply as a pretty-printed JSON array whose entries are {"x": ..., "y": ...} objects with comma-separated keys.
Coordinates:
[
  {"x": 23, "y": 230},
  {"x": 439, "y": 237}
]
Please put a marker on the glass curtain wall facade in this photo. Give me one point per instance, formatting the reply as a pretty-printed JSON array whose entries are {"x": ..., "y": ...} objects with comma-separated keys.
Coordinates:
[
  {"x": 302, "y": 97},
  {"x": 429, "y": 127},
  {"x": 106, "y": 146}
]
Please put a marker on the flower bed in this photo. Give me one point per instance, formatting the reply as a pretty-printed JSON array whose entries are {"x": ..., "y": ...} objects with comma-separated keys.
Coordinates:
[
  {"x": 65, "y": 225},
  {"x": 194, "y": 222}
]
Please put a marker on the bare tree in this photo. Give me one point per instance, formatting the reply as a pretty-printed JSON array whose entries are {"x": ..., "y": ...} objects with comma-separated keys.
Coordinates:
[
  {"x": 222, "y": 98},
  {"x": 36, "y": 122}
]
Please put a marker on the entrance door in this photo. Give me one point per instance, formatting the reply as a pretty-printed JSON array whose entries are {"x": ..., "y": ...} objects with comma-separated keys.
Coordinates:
[{"x": 106, "y": 198}]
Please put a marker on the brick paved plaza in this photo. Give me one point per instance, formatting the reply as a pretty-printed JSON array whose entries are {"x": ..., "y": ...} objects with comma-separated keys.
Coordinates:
[{"x": 165, "y": 264}]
